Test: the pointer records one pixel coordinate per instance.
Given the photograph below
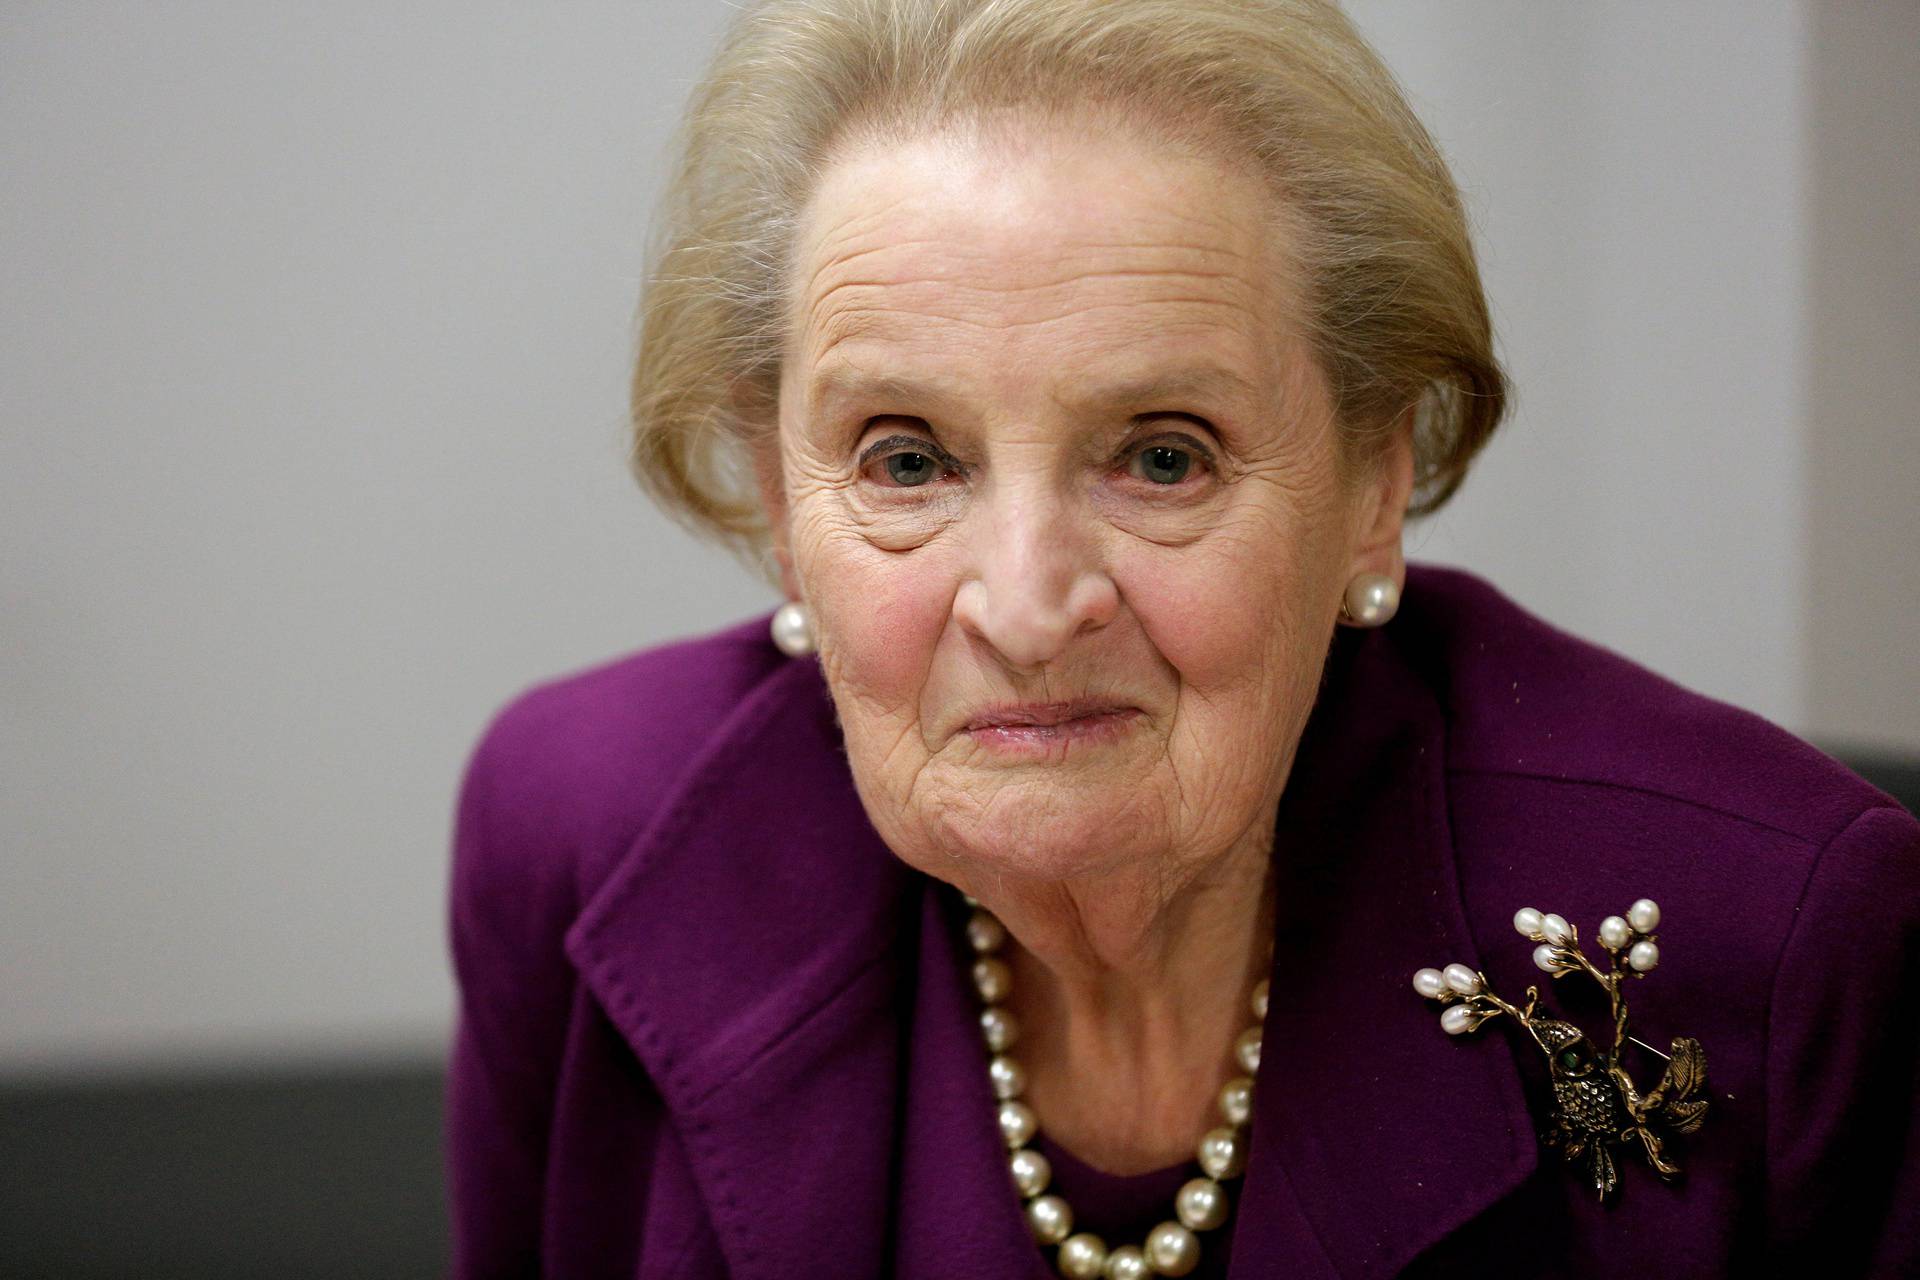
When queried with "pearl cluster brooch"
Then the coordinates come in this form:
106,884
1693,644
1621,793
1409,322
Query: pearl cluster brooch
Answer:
1596,1104
1172,1248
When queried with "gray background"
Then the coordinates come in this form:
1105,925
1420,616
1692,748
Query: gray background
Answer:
312,366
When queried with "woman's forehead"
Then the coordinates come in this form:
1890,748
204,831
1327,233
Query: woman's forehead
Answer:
970,209
1072,246
1086,182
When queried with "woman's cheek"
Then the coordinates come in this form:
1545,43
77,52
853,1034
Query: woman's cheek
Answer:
1206,615
880,616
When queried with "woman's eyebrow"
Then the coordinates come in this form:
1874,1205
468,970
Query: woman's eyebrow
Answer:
1159,388
836,384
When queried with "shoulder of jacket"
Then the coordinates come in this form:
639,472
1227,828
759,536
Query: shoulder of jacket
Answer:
569,769
1842,1181
1525,699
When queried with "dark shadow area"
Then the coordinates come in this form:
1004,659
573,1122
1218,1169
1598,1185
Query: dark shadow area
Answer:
324,1173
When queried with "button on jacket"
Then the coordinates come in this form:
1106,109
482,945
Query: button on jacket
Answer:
710,1026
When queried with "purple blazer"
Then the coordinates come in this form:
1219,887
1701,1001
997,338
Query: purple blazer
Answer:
710,1026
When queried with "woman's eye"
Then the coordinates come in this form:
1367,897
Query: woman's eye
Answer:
1162,464
904,462
910,469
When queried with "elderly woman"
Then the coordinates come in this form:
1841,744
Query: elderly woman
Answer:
1042,889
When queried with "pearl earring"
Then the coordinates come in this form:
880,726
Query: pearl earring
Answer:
793,629
1371,599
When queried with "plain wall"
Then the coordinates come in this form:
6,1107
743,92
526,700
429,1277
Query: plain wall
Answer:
1861,419
1635,173
312,378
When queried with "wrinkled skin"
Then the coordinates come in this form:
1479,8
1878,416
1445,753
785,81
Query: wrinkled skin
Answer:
1054,527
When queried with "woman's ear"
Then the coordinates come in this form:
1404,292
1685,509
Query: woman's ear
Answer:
1382,515
771,482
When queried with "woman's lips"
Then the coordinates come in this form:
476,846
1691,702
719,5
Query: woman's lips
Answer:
1039,730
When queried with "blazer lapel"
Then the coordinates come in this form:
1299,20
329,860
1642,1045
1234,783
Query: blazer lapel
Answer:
741,948
1385,1133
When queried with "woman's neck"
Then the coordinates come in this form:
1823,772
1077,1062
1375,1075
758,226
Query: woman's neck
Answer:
1130,996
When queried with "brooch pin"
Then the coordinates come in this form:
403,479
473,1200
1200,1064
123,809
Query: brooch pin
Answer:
1596,1104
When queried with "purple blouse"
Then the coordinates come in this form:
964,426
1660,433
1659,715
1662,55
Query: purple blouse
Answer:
710,1026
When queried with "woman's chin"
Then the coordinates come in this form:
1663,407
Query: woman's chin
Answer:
1043,844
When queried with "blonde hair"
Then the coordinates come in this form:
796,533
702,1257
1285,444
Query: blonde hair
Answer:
1395,314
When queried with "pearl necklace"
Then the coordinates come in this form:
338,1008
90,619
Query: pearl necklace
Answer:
1172,1248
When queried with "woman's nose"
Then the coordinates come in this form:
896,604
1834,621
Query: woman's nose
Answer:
1037,581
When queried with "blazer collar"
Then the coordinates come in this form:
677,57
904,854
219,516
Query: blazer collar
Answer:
755,947
742,948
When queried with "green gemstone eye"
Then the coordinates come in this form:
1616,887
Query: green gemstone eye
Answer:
1569,1059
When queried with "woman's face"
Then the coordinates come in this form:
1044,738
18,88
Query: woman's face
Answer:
1057,479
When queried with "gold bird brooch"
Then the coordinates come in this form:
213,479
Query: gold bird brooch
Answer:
1596,1105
